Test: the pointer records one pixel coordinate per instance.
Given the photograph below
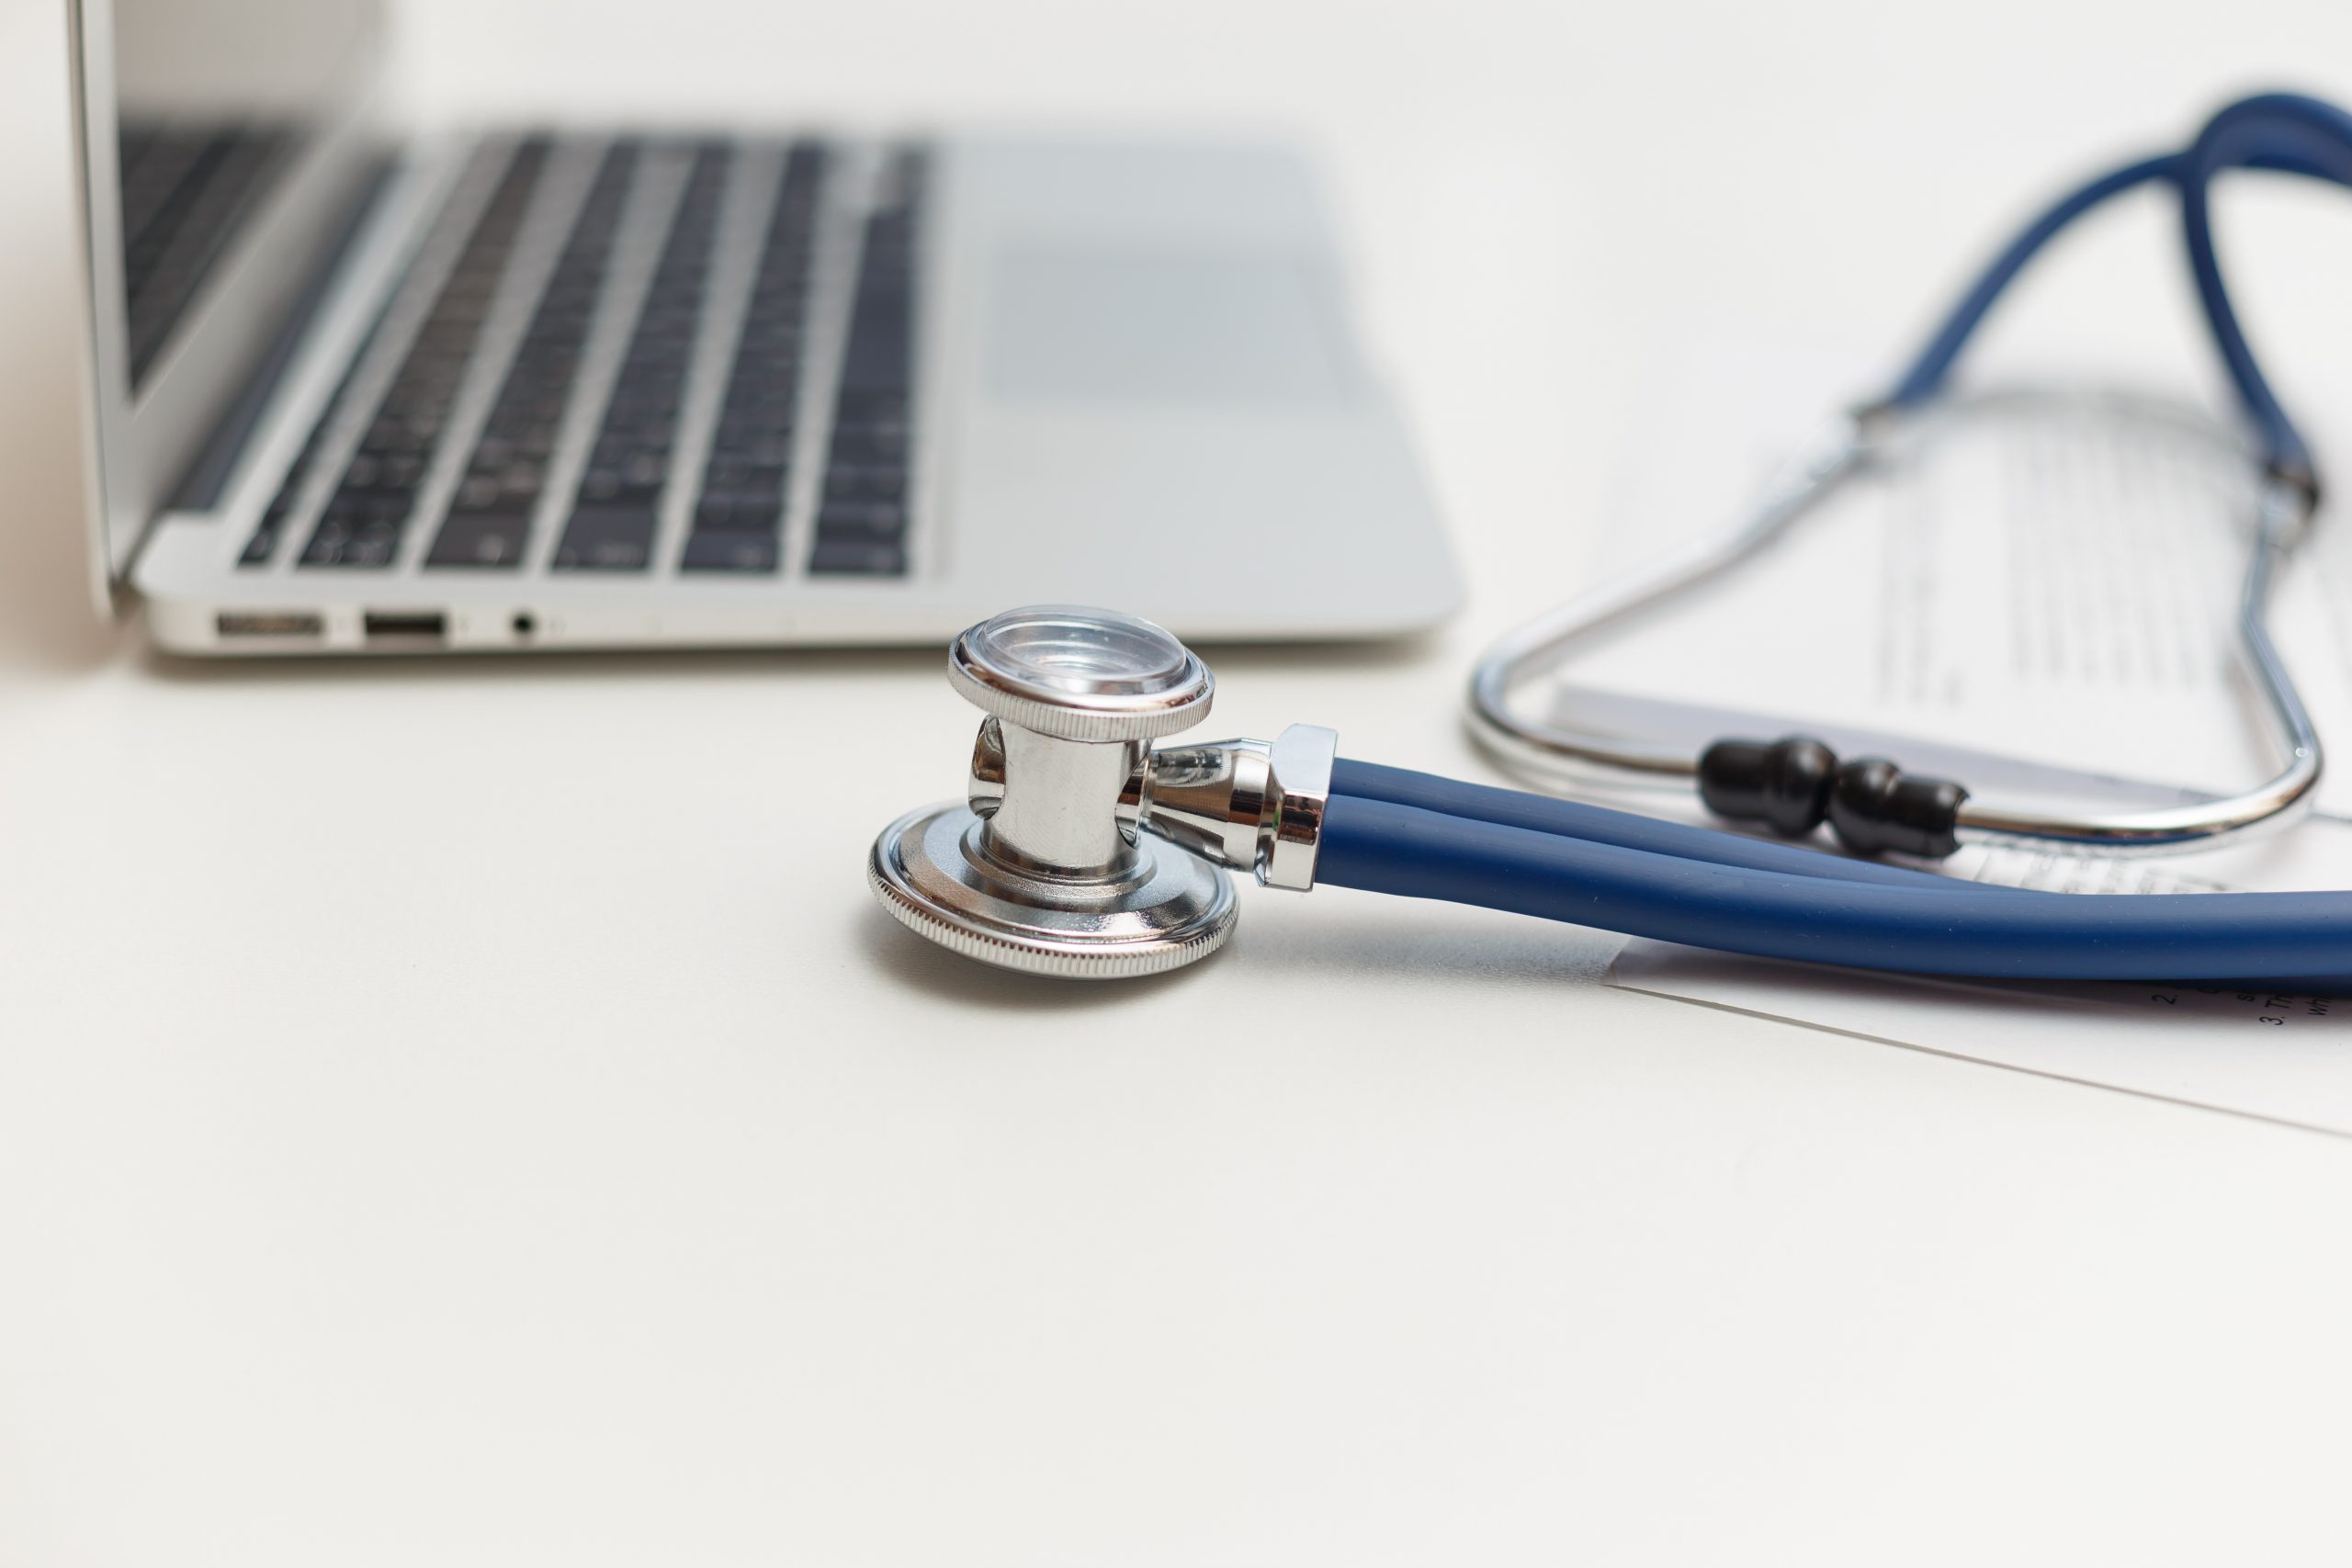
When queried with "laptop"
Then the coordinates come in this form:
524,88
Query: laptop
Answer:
359,387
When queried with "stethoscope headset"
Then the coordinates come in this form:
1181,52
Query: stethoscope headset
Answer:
1083,849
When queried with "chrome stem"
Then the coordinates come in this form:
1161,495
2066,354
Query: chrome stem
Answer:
1249,806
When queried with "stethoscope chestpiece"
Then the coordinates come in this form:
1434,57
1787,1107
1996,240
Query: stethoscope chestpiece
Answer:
1041,868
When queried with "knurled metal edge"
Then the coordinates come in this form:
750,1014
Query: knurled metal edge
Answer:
1083,723
1112,963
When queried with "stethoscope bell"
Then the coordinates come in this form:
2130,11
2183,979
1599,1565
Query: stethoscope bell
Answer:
1033,871
1079,851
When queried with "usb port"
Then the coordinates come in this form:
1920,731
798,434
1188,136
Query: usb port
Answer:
269,624
405,626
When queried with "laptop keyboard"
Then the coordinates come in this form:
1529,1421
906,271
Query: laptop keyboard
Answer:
648,377
489,516
365,516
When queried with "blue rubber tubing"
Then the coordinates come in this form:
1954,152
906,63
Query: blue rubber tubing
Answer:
1382,847
1598,824
2309,131
2277,132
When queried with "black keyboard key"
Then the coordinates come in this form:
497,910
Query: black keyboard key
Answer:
730,552
851,482
607,538
734,445
727,474
880,445
739,514
395,438
617,487
481,539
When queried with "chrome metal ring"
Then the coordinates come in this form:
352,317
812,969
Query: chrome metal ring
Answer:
1080,674
931,871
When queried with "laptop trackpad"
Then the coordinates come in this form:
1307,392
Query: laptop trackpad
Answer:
1161,326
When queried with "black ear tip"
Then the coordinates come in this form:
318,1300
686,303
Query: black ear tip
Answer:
1875,810
1796,782
1785,782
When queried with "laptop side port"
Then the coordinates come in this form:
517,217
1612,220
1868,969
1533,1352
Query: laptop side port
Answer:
405,626
237,624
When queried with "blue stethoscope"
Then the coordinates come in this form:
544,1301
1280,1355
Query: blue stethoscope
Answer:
1083,849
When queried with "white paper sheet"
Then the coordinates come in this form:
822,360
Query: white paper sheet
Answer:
2061,595
2284,1057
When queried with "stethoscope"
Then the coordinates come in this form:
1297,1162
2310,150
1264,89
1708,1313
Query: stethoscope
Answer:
1083,849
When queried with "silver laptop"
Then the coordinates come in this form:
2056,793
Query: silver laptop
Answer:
361,389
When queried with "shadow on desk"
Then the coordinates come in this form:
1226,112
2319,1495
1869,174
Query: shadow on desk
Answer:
901,958
1348,943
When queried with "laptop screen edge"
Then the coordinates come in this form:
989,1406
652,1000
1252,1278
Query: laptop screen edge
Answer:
140,439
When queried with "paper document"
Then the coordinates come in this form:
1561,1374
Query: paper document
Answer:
2036,594
2285,1057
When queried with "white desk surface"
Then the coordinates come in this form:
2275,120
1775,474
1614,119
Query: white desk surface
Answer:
473,1113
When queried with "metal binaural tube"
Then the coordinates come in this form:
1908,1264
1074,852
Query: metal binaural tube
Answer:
1563,756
